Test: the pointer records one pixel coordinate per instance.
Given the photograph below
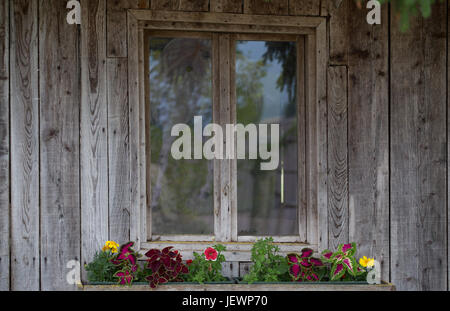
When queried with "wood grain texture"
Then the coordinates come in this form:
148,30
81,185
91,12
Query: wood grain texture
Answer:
4,146
419,153
59,140
116,22
369,137
119,174
180,5
226,6
304,7
94,136
25,146
340,35
273,7
322,142
134,129
302,195
224,230
337,157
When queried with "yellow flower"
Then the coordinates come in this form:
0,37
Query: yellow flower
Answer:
367,262
111,245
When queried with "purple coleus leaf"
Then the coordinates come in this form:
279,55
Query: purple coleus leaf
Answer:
184,270
316,262
126,253
350,265
153,252
166,250
130,257
306,253
337,271
348,249
125,277
292,258
294,270
327,255
337,257
305,263
166,265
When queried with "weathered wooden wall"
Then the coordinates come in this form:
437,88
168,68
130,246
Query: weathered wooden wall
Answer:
65,141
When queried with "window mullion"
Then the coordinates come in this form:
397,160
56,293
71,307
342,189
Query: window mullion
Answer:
223,188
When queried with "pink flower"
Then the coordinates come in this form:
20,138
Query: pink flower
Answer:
211,254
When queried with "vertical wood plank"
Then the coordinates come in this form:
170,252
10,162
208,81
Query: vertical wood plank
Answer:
302,196
304,7
4,146
226,6
180,5
24,146
419,153
324,7
339,30
337,157
119,174
312,155
448,144
117,24
133,129
273,7
216,120
369,137
226,187
143,42
59,141
321,135
94,136
233,163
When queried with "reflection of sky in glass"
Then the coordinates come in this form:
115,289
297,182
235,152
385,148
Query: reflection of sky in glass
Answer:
275,100
267,200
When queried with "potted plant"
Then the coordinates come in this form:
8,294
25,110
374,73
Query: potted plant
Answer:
268,266
206,268
165,270
116,265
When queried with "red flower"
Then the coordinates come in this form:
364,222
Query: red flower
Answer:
211,254
189,262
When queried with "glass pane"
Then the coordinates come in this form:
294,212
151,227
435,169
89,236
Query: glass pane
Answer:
266,94
180,89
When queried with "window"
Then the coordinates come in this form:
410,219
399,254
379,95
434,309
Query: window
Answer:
226,72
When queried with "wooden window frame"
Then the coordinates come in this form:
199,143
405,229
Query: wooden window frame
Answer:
313,109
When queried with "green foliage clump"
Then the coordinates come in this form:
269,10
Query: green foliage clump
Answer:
267,265
101,269
407,8
202,270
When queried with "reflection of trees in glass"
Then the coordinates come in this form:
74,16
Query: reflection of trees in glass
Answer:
284,53
259,192
180,88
